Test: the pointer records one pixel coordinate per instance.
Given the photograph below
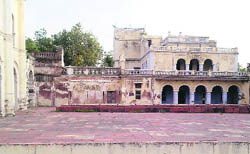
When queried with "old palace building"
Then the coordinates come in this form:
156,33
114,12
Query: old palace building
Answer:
148,70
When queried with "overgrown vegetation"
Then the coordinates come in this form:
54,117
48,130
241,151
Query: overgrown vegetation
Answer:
80,48
241,68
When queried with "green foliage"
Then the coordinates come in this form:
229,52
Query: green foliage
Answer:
241,68
108,60
80,48
79,110
31,45
44,43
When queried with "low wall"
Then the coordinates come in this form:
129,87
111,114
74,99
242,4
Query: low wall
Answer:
157,108
129,148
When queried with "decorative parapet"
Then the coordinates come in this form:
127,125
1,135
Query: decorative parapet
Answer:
202,49
109,71
137,72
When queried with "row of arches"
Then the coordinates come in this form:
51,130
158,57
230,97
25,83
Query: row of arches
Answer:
195,65
201,96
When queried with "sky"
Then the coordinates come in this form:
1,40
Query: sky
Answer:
227,21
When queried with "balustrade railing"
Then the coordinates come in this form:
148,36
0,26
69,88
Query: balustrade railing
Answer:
233,74
201,49
137,72
165,73
92,71
102,71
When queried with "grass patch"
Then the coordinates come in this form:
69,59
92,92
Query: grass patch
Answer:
137,111
79,110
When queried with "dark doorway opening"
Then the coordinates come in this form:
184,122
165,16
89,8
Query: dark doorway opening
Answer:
216,97
167,95
183,95
111,97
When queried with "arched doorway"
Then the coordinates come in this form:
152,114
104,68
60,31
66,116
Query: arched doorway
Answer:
216,97
184,95
233,95
194,65
167,95
200,95
208,65
15,90
181,64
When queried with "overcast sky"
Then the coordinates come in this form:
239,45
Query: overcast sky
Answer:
226,21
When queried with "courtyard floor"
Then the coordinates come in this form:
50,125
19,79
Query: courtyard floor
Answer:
44,125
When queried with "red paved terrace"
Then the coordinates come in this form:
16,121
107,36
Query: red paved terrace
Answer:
45,126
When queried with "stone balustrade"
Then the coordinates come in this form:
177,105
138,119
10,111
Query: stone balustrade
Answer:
71,70
214,74
202,49
109,71
233,50
137,72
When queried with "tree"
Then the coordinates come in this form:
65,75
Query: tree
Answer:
80,48
31,45
241,68
44,43
107,60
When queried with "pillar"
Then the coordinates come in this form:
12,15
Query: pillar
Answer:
224,97
214,67
174,67
208,98
200,67
240,100
176,97
9,99
187,67
191,98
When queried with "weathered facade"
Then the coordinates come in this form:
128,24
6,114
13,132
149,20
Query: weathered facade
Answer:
148,70
13,76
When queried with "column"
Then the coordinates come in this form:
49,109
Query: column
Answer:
208,98
174,67
224,97
191,98
240,100
214,67
176,97
8,64
201,67
187,67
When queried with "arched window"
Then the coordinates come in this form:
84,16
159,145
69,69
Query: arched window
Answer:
194,65
181,64
208,65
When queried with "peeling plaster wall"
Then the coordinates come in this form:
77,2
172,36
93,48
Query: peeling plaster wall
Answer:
78,90
45,93
129,91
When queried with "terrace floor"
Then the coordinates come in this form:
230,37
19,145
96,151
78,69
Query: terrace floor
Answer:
45,126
